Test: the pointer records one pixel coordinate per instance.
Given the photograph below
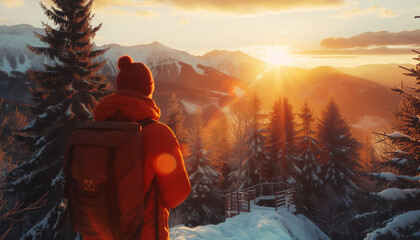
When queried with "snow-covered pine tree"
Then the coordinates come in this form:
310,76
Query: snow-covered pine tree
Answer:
204,205
309,151
175,119
65,95
340,160
339,152
397,208
256,142
274,129
281,143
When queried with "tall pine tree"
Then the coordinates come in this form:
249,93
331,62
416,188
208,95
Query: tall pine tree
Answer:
397,208
175,119
339,161
340,152
65,95
256,142
204,205
281,143
309,152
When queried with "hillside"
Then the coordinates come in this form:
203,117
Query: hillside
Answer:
386,74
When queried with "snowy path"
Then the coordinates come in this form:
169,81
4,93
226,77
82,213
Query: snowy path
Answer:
259,224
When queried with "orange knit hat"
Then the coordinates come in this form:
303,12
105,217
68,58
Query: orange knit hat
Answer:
134,75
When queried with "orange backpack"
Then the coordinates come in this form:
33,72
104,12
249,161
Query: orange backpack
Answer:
104,179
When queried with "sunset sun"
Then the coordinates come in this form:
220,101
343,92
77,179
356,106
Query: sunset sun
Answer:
277,55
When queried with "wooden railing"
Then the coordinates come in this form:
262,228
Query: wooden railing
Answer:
231,203
283,194
284,198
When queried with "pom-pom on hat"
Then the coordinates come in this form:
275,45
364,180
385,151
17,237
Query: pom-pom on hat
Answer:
134,75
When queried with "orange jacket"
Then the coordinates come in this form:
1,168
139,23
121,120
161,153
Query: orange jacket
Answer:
161,154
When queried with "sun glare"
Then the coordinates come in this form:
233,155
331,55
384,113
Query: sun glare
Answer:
277,55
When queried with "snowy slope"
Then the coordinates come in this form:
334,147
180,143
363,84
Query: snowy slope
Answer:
261,224
14,55
156,56
235,63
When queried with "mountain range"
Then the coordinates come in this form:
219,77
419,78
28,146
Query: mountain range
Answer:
219,78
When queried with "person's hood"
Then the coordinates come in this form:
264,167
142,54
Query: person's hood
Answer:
126,105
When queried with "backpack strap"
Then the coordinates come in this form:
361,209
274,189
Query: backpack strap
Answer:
112,193
156,209
146,121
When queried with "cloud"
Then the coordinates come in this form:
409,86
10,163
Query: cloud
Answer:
146,14
118,7
184,21
248,6
369,39
373,10
362,51
139,13
12,3
100,4
118,12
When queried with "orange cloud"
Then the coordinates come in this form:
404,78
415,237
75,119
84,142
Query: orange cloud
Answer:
102,4
351,52
373,10
248,6
12,3
146,14
139,13
369,39
99,4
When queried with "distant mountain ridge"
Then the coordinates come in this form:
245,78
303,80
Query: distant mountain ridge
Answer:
214,80
387,74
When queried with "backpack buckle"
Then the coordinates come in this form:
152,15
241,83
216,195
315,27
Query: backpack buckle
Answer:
87,185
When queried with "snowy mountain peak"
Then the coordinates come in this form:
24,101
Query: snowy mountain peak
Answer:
156,56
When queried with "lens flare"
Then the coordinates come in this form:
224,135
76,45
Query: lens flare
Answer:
165,164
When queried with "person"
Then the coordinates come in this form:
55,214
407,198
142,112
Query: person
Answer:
160,149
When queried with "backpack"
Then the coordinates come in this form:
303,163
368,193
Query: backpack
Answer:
103,173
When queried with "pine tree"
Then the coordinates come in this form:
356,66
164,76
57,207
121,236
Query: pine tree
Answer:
175,119
281,143
256,142
397,208
340,160
204,204
309,152
65,95
274,129
340,152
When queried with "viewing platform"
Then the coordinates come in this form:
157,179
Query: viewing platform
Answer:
274,195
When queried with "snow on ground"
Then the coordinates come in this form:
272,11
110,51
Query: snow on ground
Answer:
260,224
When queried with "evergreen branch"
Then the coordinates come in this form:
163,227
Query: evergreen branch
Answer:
51,15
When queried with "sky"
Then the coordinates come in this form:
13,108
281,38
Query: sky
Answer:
303,33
